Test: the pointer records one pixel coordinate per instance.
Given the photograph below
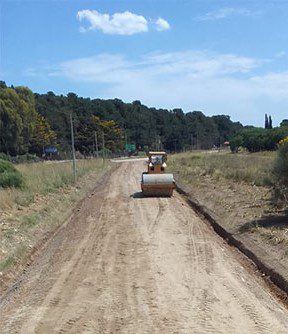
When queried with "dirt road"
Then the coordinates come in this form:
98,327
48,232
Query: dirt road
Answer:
139,265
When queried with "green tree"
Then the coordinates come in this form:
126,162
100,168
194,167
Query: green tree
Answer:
270,125
236,142
258,139
11,124
17,119
113,134
42,135
28,115
284,123
266,122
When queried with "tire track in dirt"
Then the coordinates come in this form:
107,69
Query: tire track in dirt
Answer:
127,264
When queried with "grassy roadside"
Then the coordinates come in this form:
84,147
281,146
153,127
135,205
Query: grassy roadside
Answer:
43,178
254,169
49,195
237,187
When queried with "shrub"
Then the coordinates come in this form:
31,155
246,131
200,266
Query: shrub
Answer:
9,176
281,169
258,139
281,164
236,142
19,159
4,156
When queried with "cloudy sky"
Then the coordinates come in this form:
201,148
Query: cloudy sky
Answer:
220,57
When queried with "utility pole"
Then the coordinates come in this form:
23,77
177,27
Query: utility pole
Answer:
73,148
96,144
175,145
126,146
103,144
158,143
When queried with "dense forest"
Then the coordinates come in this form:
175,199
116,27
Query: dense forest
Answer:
146,127
30,122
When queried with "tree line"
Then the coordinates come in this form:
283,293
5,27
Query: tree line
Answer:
147,128
22,129
259,139
30,122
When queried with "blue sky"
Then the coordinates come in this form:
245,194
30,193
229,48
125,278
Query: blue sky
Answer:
220,57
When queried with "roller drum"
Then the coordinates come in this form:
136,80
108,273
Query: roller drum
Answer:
157,179
157,184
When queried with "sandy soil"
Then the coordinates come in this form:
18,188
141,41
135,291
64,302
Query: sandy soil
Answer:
129,264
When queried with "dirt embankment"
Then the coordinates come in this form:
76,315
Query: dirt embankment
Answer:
129,264
25,230
245,212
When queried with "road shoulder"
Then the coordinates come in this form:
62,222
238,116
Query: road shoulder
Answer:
55,211
251,245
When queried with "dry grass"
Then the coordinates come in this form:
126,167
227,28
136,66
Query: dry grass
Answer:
237,187
43,178
253,169
47,200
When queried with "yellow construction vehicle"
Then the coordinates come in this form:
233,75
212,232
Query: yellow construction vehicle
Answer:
155,182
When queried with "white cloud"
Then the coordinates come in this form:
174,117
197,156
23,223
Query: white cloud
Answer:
125,23
225,12
162,24
280,54
272,84
102,68
215,83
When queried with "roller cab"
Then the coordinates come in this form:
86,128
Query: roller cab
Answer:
156,182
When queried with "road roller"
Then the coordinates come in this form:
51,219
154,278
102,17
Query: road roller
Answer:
155,182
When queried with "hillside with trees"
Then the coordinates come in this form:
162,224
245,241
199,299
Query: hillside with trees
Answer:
172,130
31,122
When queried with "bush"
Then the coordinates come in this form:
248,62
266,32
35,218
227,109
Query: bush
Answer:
281,169
20,159
281,164
236,142
9,175
258,139
4,156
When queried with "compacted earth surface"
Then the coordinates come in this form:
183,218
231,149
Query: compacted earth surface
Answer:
129,264
244,209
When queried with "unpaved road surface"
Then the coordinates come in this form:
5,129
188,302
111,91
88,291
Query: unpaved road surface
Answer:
139,265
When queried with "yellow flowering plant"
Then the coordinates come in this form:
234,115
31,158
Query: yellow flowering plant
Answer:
284,141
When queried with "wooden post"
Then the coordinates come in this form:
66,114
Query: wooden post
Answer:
96,144
103,144
73,148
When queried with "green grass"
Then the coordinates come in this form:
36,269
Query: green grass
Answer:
255,169
9,175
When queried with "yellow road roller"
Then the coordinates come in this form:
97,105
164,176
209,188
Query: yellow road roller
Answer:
155,182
